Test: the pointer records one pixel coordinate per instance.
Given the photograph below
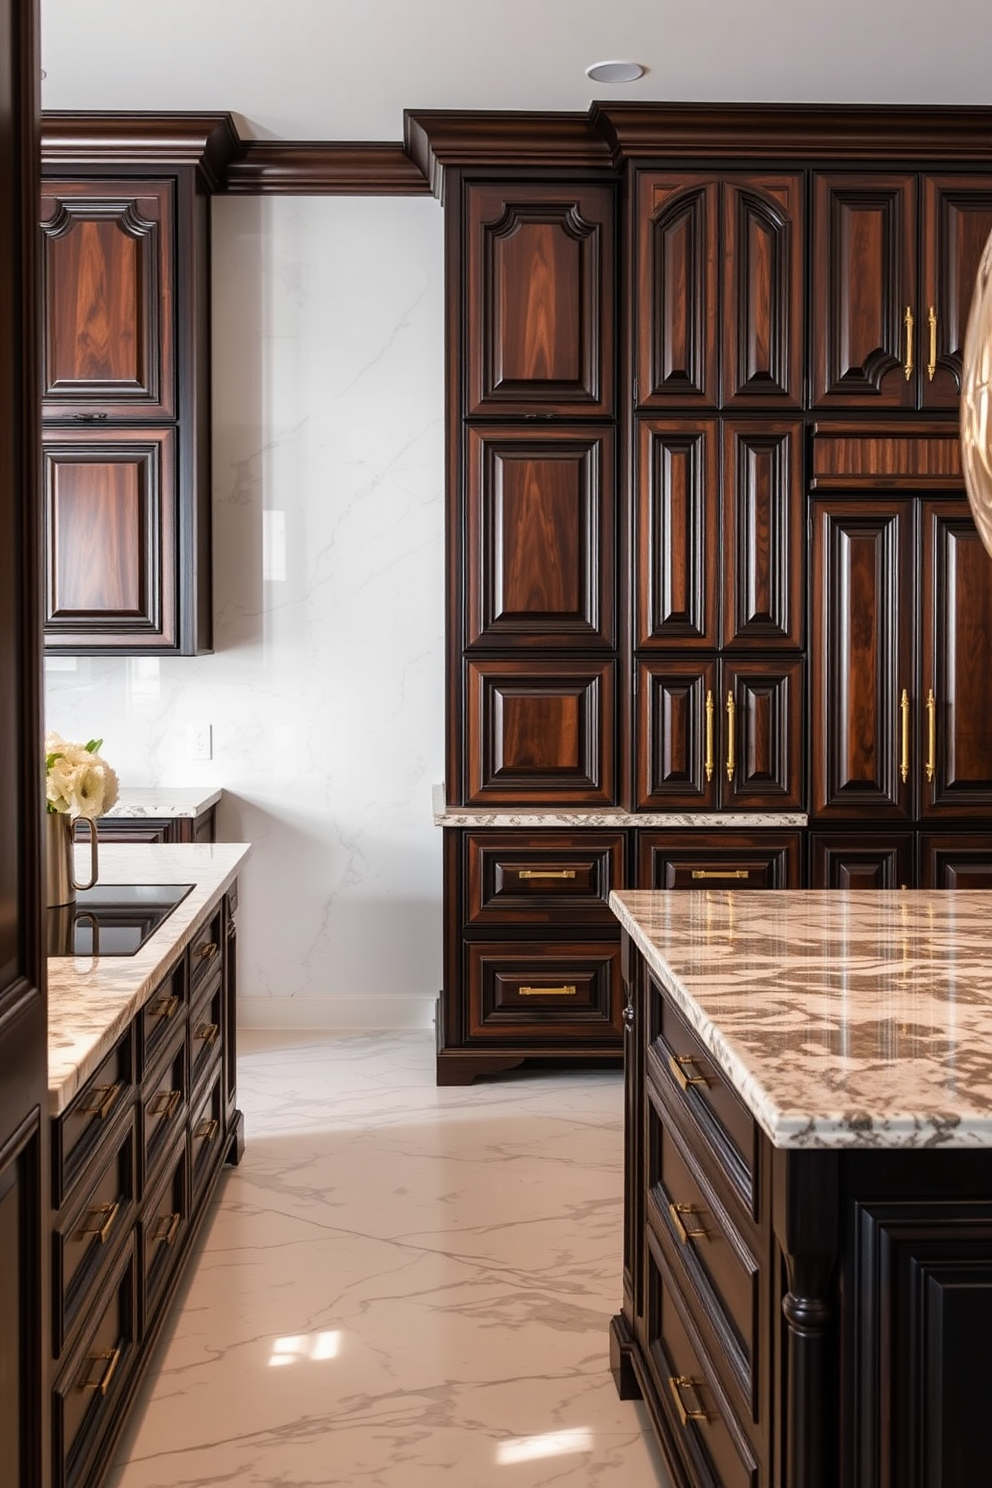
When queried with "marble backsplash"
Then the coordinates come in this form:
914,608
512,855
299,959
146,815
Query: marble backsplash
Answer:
325,690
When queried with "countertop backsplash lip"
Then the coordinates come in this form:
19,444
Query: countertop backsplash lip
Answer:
92,1000
802,1035
137,801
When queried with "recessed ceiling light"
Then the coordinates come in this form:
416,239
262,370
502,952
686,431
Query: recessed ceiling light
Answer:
615,72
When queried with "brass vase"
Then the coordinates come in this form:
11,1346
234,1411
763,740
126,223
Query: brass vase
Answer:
60,881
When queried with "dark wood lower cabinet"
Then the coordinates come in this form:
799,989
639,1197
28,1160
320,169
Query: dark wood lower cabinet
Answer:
870,860
704,859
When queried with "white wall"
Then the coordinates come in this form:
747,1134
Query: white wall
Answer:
325,690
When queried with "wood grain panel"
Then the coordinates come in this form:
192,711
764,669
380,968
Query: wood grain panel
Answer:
872,861
861,656
763,536
542,878
677,534
956,860
540,538
762,316
544,990
676,307
763,768
675,768
848,458
540,731
957,220
864,277
539,298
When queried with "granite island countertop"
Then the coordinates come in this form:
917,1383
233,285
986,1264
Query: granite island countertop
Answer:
841,1018
92,999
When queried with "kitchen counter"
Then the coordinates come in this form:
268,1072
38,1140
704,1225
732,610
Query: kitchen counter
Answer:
158,801
610,816
841,1019
92,999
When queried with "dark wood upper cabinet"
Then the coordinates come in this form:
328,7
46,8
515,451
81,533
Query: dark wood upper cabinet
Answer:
539,535
763,247
677,533
540,296
676,314
763,534
108,252
957,219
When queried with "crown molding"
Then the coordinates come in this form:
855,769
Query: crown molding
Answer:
316,168
141,141
436,139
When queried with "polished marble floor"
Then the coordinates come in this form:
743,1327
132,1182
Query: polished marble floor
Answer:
400,1286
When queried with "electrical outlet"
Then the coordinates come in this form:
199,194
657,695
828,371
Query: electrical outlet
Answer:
201,741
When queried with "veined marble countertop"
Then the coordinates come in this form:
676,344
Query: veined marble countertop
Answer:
841,1018
92,999
164,800
603,816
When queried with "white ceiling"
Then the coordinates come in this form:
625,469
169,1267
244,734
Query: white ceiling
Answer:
329,69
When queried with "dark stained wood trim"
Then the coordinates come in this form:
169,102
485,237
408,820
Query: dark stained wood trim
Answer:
144,141
316,168
925,134
436,138
847,456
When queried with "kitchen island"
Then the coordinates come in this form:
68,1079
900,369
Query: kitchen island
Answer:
808,1190
143,1115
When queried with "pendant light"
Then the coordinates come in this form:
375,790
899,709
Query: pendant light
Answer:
976,401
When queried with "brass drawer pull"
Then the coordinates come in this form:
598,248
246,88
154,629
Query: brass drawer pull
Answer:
679,1382
721,873
677,1064
207,1130
99,1222
104,1103
932,363
904,713
208,951
907,321
568,990
208,1032
731,740
685,1234
165,1103
109,1360
708,764
930,768
546,873
165,1231
165,1007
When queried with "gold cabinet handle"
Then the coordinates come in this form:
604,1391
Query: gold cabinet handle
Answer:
931,764
679,1382
99,1222
546,873
568,990
208,951
208,1032
677,1064
709,735
904,711
109,1361
206,1131
932,363
105,1097
731,745
908,323
165,1103
165,1007
721,873
165,1230
685,1234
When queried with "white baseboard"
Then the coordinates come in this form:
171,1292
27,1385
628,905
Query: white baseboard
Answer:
366,1013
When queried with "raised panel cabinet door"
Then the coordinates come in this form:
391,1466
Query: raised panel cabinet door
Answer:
871,860
540,732
539,535
763,267
677,735
955,766
110,539
761,759
677,534
763,535
865,318
676,312
956,860
539,298
957,220
108,342
862,736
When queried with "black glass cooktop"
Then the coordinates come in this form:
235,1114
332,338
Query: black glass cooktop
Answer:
111,919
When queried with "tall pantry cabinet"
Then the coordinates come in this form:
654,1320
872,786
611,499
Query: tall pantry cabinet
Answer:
718,615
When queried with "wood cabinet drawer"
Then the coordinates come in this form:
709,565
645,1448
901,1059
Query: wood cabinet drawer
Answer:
205,1025
76,1133
542,877
681,1065
164,1104
718,860
720,1271
87,1233
544,989
86,1393
164,1224
206,1131
714,1446
205,950
164,1010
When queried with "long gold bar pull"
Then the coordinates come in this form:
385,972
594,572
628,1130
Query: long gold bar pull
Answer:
904,761
932,363
546,873
709,735
566,991
731,744
721,873
907,321
931,764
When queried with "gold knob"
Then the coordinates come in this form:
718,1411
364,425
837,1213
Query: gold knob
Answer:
685,1234
908,323
709,735
932,363
904,711
677,1064
931,764
731,746
566,991
679,1382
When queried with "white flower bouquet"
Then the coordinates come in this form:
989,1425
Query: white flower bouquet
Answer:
78,782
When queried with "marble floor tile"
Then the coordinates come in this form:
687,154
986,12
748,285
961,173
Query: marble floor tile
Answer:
401,1286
